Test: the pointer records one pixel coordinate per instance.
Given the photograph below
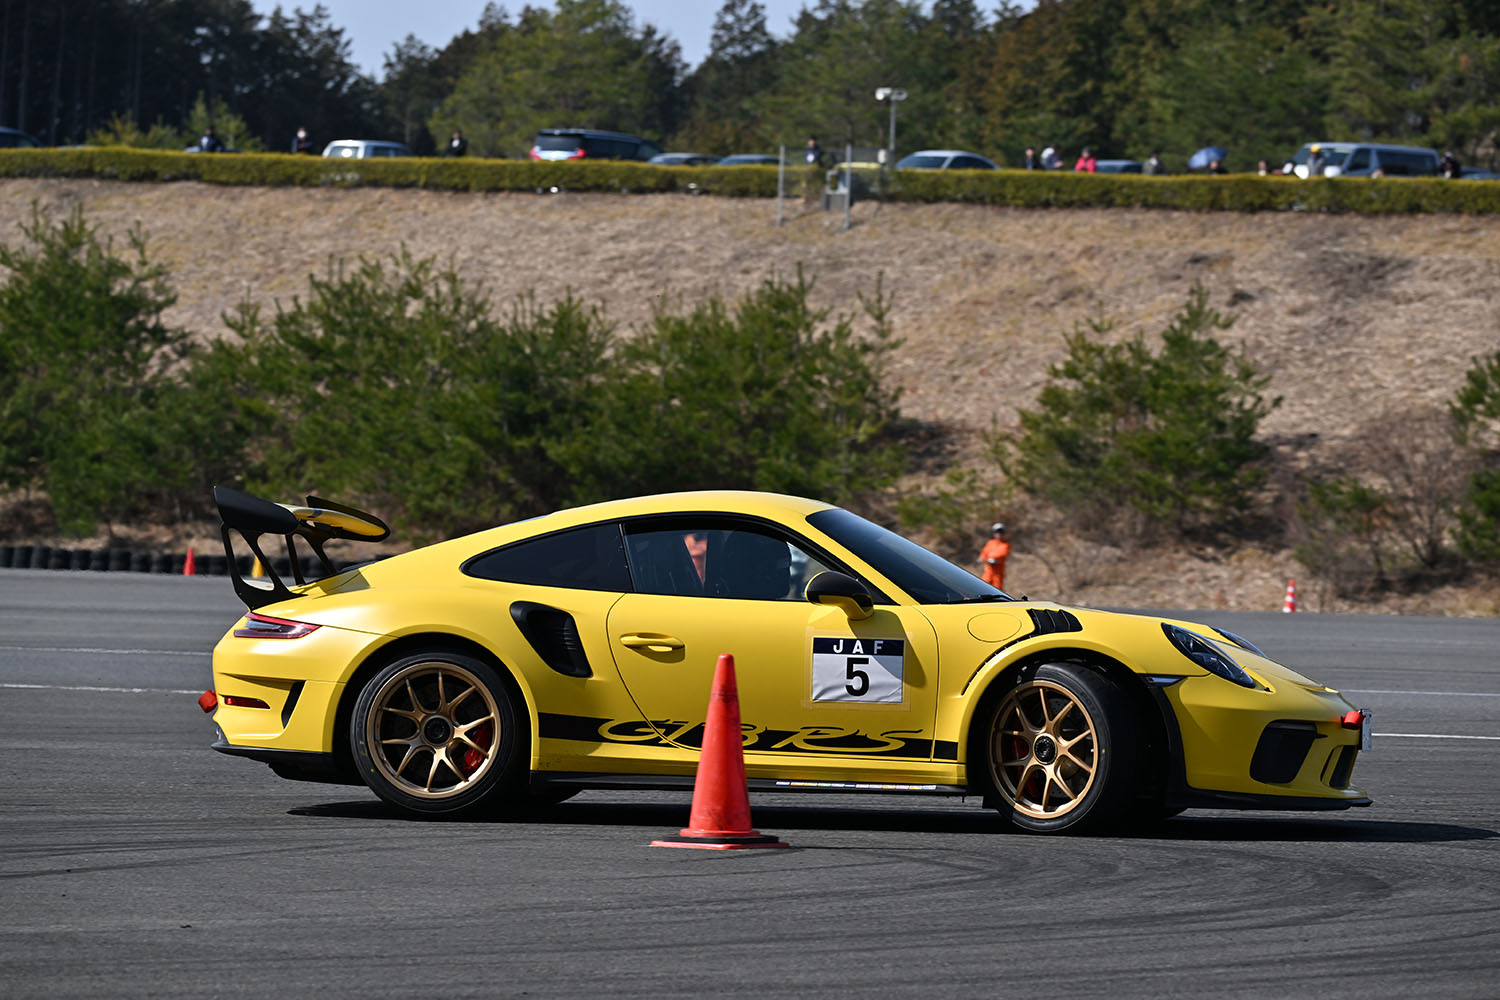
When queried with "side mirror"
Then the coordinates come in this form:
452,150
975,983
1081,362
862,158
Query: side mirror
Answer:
843,591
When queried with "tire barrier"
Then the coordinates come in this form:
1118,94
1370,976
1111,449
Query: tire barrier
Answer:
118,560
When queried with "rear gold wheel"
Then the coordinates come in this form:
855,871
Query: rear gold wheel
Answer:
435,733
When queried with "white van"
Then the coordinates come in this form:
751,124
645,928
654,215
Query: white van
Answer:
363,149
1362,159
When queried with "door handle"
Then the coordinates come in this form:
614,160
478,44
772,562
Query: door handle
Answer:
653,641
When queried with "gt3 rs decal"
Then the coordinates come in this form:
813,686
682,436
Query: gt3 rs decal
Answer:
849,668
808,739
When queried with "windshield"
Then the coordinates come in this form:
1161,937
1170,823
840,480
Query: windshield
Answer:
926,576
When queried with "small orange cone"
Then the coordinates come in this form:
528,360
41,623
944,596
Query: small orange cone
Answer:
190,565
1290,604
720,820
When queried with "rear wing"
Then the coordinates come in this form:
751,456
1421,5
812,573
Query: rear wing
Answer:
316,523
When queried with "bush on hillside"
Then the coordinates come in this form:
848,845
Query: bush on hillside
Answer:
768,394
1476,415
392,381
87,401
1165,435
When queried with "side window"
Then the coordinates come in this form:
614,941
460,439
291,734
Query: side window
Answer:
1358,160
966,163
709,557
590,558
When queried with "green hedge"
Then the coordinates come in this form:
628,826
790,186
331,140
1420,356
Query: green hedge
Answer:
1025,189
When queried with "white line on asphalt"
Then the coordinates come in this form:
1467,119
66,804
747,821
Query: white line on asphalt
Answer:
1430,736
1435,694
91,649
111,690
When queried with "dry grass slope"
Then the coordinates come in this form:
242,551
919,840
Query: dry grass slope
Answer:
1353,318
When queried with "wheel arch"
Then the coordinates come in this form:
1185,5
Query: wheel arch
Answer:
378,658
1156,757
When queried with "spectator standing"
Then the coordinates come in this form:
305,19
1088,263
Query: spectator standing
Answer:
1028,159
1153,165
1262,168
1449,167
813,155
302,142
1314,162
992,557
1050,159
457,145
209,142
1215,167
1086,163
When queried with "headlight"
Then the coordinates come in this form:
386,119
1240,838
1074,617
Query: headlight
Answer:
1240,641
1207,654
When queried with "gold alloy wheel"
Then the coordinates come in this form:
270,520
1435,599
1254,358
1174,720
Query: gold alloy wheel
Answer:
1043,749
433,730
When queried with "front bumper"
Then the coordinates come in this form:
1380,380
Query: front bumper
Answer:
1275,748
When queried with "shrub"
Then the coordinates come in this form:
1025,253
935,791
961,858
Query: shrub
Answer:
1168,435
1015,188
392,381
1476,415
86,403
768,396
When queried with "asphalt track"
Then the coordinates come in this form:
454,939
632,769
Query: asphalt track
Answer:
136,862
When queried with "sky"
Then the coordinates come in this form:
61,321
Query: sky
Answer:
374,26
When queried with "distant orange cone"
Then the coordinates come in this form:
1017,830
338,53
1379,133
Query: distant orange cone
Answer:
190,565
720,820
257,570
1290,604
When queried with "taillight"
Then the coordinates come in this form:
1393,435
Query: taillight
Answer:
265,627
579,155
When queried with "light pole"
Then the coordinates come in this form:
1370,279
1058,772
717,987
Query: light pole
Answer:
893,96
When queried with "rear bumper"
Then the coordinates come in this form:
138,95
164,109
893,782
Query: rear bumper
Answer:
297,765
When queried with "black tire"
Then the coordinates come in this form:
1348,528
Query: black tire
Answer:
419,739
1059,750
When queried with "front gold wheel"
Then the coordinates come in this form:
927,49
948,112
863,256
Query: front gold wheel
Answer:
1058,748
1043,750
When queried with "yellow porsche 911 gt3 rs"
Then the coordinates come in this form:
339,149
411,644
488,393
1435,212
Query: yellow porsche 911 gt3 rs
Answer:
576,650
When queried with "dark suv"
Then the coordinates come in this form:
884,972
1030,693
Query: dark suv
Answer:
14,138
578,143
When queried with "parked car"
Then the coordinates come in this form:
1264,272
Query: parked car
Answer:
1391,161
1118,166
945,159
365,149
683,159
595,144
1477,174
14,138
748,159
574,650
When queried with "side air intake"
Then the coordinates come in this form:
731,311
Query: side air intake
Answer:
1048,620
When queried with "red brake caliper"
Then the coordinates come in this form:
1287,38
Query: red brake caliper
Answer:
473,758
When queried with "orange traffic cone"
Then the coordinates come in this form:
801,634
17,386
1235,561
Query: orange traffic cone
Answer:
720,820
190,565
1290,604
